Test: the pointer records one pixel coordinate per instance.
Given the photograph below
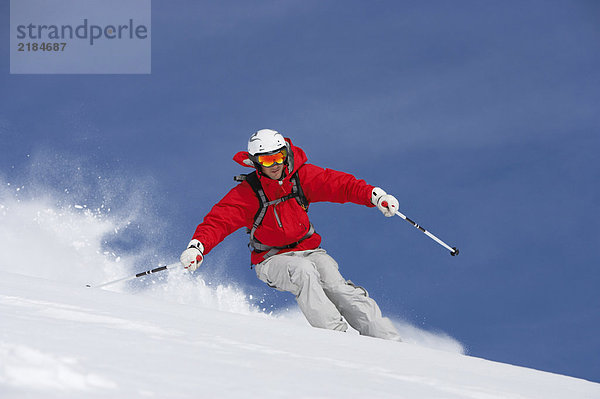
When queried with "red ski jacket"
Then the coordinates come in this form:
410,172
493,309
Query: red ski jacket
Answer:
238,208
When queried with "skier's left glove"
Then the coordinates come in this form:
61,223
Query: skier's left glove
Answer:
192,257
386,203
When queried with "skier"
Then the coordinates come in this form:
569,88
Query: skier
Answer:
272,204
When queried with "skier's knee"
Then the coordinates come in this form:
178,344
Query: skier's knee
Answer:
362,290
302,270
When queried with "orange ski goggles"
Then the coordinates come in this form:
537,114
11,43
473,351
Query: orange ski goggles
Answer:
272,159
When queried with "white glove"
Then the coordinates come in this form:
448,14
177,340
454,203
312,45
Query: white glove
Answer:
386,203
192,257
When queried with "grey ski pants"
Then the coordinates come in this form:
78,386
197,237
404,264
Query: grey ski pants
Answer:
323,295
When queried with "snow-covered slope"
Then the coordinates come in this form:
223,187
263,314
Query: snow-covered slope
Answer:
181,338
62,340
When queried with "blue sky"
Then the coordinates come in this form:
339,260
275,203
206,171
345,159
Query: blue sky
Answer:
481,117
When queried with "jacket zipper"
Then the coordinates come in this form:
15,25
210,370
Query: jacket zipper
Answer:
275,206
277,216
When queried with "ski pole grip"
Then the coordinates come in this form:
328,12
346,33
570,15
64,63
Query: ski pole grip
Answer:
384,204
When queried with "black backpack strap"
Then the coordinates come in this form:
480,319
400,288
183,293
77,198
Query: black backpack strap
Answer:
260,247
299,193
264,203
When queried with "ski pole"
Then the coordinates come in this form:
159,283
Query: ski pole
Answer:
453,250
158,269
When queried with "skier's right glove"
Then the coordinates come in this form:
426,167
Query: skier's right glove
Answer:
192,257
386,203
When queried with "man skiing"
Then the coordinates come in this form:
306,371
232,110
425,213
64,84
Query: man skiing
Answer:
272,204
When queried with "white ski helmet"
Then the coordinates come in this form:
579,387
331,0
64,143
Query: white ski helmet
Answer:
265,141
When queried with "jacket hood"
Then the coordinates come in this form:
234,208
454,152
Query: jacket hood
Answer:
296,158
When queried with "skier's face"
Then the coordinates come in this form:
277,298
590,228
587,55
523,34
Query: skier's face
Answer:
273,172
